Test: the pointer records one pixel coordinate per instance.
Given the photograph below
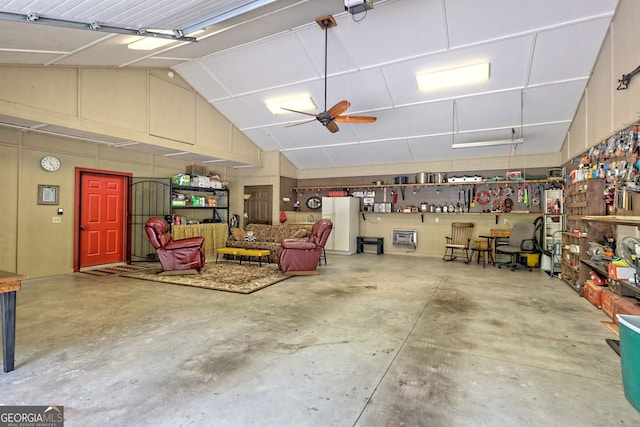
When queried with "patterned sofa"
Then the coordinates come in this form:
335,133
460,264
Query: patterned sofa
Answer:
266,236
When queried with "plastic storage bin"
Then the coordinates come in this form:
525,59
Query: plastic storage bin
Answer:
630,357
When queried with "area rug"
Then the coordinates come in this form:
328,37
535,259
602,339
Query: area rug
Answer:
116,269
226,276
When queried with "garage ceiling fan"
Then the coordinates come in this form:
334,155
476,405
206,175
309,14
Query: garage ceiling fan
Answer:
329,117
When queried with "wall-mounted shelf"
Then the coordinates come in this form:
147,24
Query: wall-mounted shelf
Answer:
374,186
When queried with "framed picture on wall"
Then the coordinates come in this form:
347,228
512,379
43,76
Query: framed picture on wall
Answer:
48,194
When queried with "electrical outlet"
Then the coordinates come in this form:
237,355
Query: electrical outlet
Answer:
56,219
437,219
505,220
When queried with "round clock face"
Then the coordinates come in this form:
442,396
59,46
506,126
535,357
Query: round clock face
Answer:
50,163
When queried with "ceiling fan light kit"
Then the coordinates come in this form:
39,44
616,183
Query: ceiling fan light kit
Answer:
453,77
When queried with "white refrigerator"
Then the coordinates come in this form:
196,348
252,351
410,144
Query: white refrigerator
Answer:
344,213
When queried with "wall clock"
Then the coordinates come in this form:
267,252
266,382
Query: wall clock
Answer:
50,163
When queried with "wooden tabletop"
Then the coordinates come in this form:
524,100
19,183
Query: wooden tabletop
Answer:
10,282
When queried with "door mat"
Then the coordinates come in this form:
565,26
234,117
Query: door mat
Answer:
117,269
220,276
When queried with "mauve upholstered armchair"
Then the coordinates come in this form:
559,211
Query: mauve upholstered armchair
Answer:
181,254
301,255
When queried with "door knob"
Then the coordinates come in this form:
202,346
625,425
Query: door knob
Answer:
82,227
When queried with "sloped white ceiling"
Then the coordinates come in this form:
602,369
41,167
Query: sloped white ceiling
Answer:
540,53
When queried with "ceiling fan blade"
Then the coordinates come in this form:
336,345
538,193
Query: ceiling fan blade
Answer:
299,112
332,126
356,119
301,123
338,109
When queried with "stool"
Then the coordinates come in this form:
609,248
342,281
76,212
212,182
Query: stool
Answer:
378,241
480,246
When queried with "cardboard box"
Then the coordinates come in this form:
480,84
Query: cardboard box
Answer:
616,272
593,293
625,305
607,298
201,181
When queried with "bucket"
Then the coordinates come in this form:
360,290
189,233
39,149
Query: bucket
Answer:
422,178
629,351
533,260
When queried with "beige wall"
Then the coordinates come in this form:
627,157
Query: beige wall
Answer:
30,243
431,231
604,110
141,105
519,162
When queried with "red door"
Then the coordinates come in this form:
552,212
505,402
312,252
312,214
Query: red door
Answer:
103,219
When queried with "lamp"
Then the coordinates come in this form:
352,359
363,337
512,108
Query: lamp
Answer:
453,77
487,143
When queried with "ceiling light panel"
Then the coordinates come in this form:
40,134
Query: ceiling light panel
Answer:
460,76
149,43
305,104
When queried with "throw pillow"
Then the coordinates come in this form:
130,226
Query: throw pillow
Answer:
300,233
238,234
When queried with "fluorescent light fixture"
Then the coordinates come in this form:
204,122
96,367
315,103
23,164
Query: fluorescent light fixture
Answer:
299,104
453,77
487,143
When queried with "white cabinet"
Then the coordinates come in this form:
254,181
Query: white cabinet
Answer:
344,213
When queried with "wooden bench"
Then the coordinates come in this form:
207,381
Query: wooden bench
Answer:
9,284
378,241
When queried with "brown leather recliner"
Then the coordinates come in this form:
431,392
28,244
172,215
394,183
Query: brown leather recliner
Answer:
303,254
181,254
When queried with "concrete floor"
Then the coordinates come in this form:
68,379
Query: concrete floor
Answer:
373,341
